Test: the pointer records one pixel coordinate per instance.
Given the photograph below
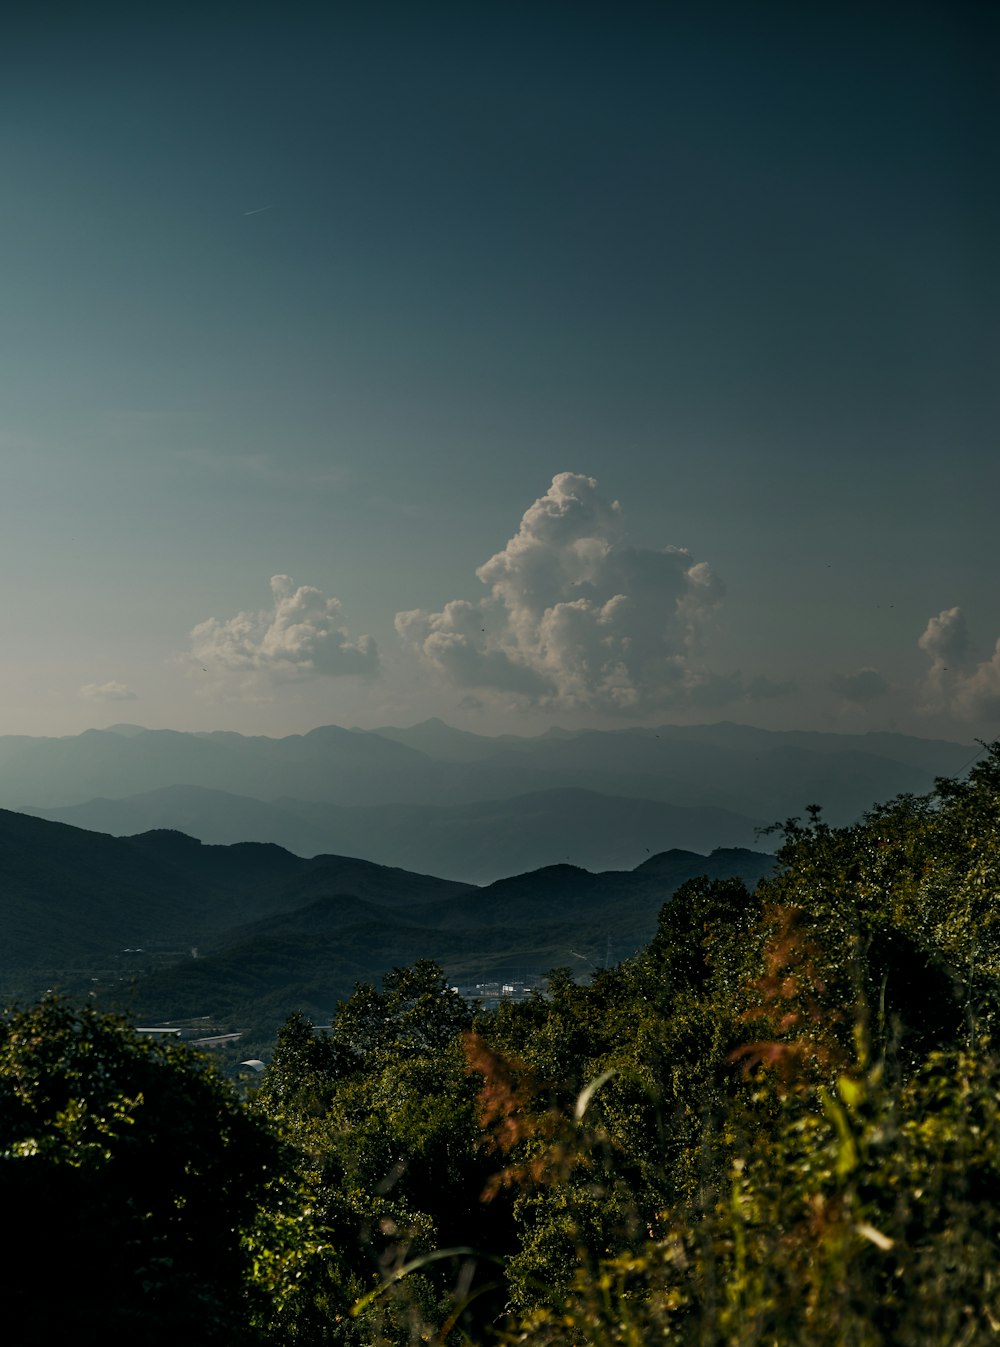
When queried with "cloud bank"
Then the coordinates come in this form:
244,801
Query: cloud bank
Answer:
111,691
957,682
299,637
575,617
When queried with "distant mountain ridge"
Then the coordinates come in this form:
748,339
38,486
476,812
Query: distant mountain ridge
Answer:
289,790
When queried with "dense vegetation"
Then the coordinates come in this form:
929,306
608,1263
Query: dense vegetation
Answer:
778,1123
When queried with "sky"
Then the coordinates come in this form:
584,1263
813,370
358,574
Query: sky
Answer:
516,364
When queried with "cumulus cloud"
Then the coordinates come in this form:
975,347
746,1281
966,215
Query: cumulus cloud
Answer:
957,681
979,692
864,686
576,617
111,691
300,636
946,640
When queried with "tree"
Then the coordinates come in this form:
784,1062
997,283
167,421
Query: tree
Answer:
128,1173
381,1115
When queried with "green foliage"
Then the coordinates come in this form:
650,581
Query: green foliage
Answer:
778,1123
850,1214
380,1115
127,1174
836,1092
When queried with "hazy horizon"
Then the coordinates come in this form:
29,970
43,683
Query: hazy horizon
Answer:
120,726
506,366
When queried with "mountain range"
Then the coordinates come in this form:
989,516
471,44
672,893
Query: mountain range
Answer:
242,877
466,806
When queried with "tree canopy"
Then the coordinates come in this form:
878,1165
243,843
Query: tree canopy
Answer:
128,1173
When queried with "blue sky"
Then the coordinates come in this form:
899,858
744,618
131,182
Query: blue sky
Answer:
334,293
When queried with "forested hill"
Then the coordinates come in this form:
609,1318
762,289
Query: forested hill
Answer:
67,894
311,957
84,910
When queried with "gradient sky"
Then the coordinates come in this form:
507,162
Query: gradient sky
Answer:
335,292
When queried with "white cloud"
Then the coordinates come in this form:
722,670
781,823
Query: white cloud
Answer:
111,691
300,636
957,681
864,686
946,640
575,617
978,695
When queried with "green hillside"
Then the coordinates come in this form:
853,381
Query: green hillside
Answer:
72,901
309,958
777,1122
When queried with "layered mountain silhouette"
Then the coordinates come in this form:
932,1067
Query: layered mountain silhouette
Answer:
468,806
475,842
251,876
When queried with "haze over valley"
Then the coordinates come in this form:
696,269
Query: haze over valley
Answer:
467,806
